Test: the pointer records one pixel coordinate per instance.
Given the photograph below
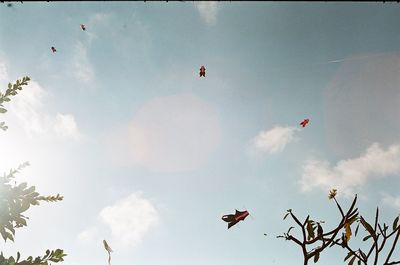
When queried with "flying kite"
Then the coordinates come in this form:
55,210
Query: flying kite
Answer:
202,71
109,250
304,122
83,27
53,49
233,219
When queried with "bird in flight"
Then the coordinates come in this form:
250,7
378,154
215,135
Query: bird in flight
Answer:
53,49
83,27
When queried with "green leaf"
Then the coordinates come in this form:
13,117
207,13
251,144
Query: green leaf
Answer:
310,229
316,257
22,186
367,237
367,226
25,206
395,223
286,215
2,110
355,233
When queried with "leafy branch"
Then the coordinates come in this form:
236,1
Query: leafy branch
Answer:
12,90
53,256
378,235
15,200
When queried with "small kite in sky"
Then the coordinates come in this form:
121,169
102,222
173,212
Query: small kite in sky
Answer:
109,250
83,27
53,49
304,122
202,71
233,219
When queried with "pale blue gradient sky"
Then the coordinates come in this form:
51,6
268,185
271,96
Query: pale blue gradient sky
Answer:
191,151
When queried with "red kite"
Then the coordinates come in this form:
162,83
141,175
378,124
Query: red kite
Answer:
83,27
233,219
304,122
53,49
202,71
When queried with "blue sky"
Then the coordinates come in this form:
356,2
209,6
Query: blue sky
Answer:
149,156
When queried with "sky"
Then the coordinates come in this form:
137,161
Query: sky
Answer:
149,155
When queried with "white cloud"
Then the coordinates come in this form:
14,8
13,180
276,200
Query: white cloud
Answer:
89,235
83,69
352,173
30,113
393,201
129,220
28,108
274,140
65,126
208,11
173,133
95,23
3,73
99,17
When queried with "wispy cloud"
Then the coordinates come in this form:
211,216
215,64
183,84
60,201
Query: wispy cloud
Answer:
173,133
91,234
129,220
208,11
274,140
352,173
3,72
392,201
65,126
82,66
31,114
95,23
99,17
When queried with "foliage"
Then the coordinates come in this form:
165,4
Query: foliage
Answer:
17,199
14,201
378,233
12,90
53,256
